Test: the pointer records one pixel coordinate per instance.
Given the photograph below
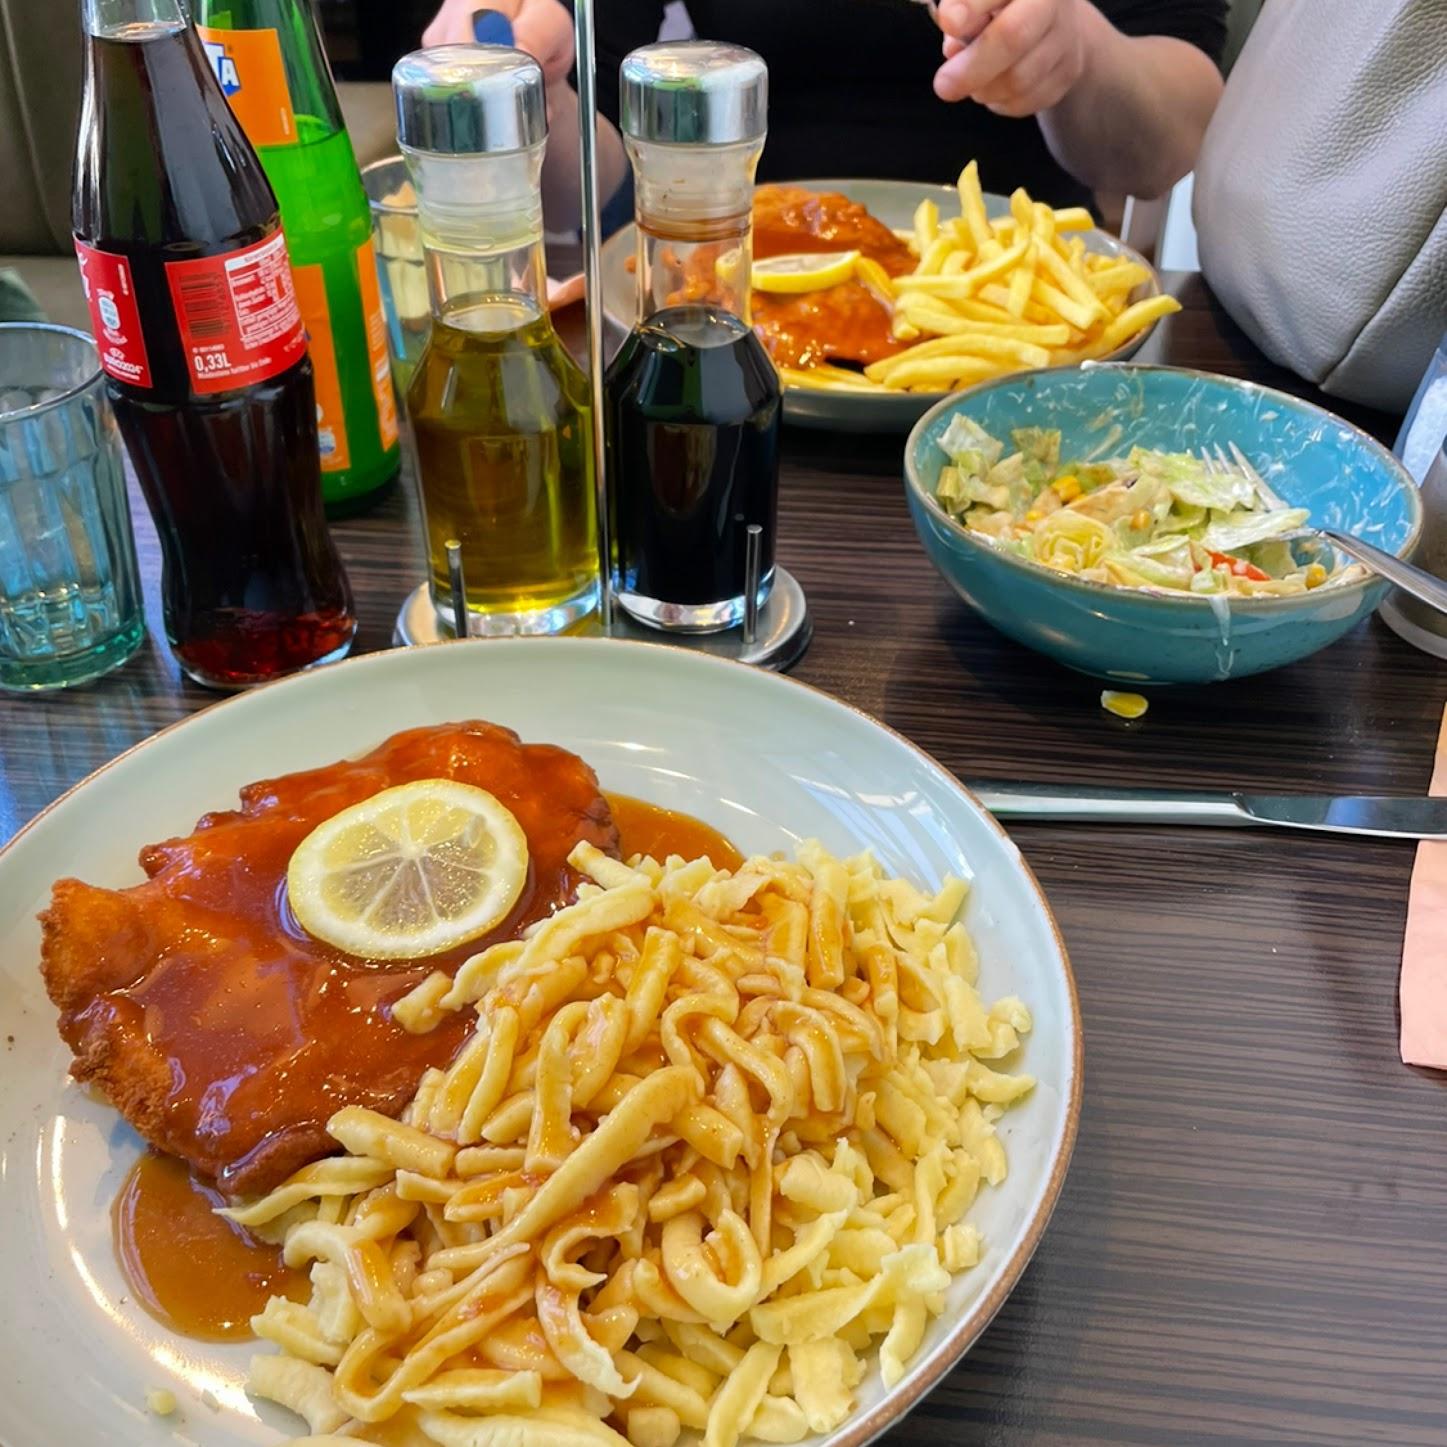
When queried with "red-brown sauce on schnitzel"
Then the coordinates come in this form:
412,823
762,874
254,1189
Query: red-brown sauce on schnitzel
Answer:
222,1031
844,323
647,829
194,1271
205,1277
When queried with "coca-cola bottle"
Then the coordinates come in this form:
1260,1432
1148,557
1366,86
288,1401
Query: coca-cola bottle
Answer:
185,270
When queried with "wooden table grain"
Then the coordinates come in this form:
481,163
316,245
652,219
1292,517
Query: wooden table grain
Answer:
1252,1242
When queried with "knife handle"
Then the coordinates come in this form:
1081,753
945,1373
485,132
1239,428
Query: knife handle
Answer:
1090,803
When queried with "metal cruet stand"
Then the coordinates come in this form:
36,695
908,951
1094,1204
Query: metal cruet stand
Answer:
774,636
587,62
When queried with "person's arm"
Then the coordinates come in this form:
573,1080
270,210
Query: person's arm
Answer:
544,28
562,190
1119,112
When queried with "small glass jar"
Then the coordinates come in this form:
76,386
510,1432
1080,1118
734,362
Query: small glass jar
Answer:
693,399
501,421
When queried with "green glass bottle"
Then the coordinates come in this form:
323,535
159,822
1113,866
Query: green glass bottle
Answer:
268,56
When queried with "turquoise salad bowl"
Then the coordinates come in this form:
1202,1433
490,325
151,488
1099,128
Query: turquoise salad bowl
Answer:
1129,636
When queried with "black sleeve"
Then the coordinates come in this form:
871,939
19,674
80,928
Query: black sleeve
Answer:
620,26
1201,23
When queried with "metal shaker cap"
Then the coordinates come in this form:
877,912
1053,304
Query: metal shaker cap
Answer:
694,92
469,100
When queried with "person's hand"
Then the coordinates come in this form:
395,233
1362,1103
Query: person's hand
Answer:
543,28
1015,57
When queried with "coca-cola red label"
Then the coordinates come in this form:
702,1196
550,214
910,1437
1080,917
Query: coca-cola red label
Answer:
114,316
237,315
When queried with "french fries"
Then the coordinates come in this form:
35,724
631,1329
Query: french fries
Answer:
990,296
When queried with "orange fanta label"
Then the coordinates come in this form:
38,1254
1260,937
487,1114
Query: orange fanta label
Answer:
249,67
311,297
381,366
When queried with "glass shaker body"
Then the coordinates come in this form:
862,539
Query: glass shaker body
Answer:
1409,618
500,412
693,399
1425,425
1422,448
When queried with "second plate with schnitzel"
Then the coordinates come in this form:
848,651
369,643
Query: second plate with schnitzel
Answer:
892,203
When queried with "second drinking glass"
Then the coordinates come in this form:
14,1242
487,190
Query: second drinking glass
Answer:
499,410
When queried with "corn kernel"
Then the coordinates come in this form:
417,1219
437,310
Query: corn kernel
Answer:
1140,520
1123,705
1034,515
1066,488
161,1402
1315,575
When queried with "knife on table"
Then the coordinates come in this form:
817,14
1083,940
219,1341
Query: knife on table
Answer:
1384,815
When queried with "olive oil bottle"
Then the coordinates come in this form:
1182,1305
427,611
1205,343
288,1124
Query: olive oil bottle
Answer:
500,416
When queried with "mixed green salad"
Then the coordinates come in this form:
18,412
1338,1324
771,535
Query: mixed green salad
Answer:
1148,519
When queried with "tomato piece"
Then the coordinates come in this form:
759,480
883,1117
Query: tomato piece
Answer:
1240,567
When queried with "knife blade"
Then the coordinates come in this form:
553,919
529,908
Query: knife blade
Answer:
1384,816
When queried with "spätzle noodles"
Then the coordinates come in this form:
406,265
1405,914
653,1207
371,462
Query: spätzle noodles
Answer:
712,1144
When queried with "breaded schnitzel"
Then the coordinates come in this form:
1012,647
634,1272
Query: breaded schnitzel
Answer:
843,323
223,1032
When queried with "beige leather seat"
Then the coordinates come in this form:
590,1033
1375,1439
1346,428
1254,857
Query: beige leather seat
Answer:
40,84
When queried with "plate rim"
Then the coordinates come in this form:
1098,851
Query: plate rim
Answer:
898,1402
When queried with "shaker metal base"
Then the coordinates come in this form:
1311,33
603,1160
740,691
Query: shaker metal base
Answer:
1410,631
784,628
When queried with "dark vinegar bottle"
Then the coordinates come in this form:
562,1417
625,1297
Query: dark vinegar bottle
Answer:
694,453
186,273
693,404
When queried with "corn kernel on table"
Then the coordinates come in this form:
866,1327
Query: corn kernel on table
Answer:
1252,1241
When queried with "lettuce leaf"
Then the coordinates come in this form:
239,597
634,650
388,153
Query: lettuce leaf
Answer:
1132,570
958,489
1275,558
965,436
1093,475
1240,529
1225,494
1072,542
1040,443
1165,543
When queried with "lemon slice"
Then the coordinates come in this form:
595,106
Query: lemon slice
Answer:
804,273
410,872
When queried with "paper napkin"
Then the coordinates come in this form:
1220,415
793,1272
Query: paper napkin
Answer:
1424,951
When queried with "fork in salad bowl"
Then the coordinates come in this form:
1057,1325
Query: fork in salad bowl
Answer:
1420,584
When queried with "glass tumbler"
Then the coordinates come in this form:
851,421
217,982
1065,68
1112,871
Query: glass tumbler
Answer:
401,265
70,594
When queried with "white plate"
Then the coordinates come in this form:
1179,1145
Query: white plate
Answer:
764,759
894,203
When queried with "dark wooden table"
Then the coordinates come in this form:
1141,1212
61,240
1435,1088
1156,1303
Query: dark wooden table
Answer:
1252,1242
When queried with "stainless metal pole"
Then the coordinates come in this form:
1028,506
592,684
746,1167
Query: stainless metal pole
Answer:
593,285
459,587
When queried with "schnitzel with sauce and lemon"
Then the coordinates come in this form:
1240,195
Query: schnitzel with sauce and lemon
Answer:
227,1033
844,321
